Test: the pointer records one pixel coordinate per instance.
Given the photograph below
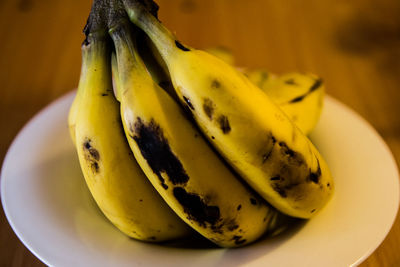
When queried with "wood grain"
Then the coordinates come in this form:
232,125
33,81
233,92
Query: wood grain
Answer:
353,45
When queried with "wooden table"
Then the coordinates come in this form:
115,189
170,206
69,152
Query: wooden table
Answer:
353,45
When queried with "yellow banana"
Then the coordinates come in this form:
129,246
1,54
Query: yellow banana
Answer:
246,127
299,95
186,172
114,178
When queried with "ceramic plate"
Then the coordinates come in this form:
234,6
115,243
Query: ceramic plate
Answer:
49,206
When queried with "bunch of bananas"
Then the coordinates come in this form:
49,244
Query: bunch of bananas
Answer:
171,139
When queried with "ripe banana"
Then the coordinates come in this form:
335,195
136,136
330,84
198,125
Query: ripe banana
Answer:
186,172
114,178
299,95
246,127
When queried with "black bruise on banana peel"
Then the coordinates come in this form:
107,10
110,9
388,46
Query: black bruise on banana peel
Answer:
208,108
253,201
215,84
282,189
188,102
313,87
238,239
229,224
316,85
291,82
157,152
233,227
293,157
205,215
92,155
275,178
181,46
271,143
289,172
196,208
315,176
224,124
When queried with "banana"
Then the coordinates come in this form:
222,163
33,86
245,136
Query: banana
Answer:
251,132
114,178
299,95
180,164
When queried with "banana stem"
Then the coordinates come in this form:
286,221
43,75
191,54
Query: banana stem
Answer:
127,58
95,48
124,36
96,65
164,40
95,27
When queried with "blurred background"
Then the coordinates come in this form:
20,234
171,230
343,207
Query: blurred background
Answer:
353,45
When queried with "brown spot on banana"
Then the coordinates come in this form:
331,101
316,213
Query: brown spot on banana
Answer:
224,124
233,227
283,188
290,171
238,240
268,147
215,84
293,157
208,108
228,225
290,82
92,155
315,176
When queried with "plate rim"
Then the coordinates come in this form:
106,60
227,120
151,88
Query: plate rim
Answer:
393,163
11,147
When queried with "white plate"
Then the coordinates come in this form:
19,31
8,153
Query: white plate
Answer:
49,207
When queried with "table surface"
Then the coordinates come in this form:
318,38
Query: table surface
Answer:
353,45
